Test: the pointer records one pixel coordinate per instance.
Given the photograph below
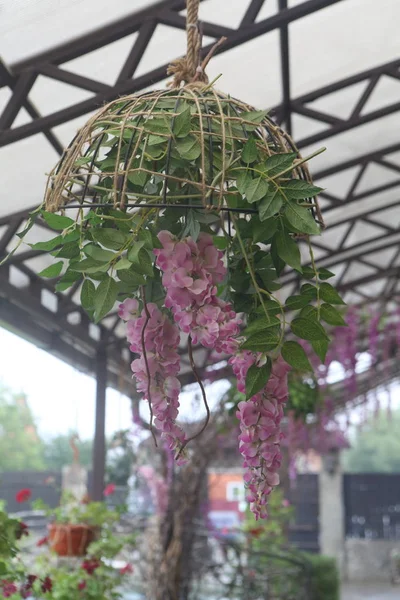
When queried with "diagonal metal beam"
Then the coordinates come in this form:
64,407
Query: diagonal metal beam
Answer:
138,49
237,38
252,12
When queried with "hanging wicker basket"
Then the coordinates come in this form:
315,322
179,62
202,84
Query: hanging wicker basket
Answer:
186,147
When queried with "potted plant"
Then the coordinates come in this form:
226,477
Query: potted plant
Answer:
75,525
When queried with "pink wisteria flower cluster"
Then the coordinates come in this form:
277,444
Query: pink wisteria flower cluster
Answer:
190,274
260,418
157,366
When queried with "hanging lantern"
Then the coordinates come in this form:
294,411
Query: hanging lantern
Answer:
188,206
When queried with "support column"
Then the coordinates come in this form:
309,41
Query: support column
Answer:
99,446
331,509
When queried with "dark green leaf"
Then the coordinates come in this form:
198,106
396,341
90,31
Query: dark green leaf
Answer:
287,250
89,265
331,315
146,237
263,341
271,306
131,277
257,378
309,312
88,291
70,250
329,294
138,178
68,279
182,126
295,356
97,253
320,348
256,189
308,273
110,238
189,147
57,222
249,152
49,245
53,270
308,290
307,329
279,162
279,264
270,204
296,189
140,259
261,324
301,218
105,297
325,274
264,232
296,302
243,180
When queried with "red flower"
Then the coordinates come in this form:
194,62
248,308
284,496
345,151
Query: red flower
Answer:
23,495
44,540
128,568
47,585
9,588
25,589
90,565
23,530
81,585
109,489
256,532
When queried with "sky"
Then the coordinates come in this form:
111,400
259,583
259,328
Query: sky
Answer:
62,398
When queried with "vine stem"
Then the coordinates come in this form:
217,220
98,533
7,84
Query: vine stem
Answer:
317,282
203,393
146,310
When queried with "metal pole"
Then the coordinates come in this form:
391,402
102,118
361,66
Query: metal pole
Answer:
99,446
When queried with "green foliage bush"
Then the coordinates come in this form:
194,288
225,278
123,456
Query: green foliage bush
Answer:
324,577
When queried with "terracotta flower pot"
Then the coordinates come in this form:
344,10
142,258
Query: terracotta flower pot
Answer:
70,540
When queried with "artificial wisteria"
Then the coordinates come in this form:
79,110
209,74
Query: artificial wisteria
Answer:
260,419
191,271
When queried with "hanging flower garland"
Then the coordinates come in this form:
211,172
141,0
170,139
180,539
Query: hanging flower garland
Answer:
186,206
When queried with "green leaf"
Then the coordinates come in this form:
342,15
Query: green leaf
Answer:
88,291
320,348
271,306
270,204
249,152
131,277
57,222
296,189
140,259
123,263
49,245
309,312
182,126
156,140
279,264
138,178
243,180
221,242
331,315
70,250
308,290
308,273
146,237
256,189
328,294
110,238
105,297
97,253
287,250
277,163
307,329
295,356
257,378
254,116
189,147
263,341
53,270
261,324
301,218
325,274
263,232
296,302
89,265
68,279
